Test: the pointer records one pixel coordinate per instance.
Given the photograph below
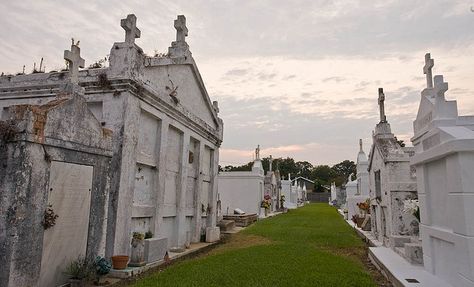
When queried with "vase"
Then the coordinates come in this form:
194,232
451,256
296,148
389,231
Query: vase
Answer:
137,257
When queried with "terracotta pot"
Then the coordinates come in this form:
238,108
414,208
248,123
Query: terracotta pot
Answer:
119,261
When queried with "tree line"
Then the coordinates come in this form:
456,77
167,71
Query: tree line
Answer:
322,175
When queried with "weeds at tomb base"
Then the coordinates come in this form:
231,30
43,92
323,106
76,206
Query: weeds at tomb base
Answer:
311,246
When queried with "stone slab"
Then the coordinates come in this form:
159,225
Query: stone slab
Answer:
398,270
213,234
242,220
134,271
414,253
399,241
226,225
155,249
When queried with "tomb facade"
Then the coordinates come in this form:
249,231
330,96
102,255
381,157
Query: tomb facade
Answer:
243,189
357,191
444,160
156,171
392,181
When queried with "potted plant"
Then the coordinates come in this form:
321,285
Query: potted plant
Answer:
266,204
282,201
79,271
138,250
412,206
148,234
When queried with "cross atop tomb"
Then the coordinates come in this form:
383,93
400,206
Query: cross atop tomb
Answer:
383,117
257,152
360,144
429,63
129,24
75,62
440,86
181,29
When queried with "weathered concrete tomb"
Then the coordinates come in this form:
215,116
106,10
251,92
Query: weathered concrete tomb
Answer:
392,181
132,147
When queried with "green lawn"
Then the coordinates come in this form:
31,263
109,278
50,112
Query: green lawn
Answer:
310,246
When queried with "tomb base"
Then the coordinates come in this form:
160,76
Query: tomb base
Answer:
242,220
213,234
226,225
155,249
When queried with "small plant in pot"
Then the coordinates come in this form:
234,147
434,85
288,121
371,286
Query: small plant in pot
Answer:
138,250
266,203
148,234
79,271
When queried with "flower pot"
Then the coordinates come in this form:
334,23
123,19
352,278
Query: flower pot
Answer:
359,221
119,262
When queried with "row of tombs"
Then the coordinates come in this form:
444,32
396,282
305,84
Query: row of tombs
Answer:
257,194
418,200
90,157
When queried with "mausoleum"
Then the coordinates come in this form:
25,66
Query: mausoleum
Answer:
444,161
132,147
392,181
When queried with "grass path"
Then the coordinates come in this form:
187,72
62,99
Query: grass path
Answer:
310,246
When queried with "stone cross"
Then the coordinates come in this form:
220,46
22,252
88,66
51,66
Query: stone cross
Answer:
75,62
383,117
440,86
257,152
181,29
129,24
429,63
360,144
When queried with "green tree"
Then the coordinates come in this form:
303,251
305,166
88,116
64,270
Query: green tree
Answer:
304,169
323,174
343,170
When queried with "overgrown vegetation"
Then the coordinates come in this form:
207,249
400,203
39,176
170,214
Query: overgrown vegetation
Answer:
103,81
81,268
7,131
98,64
310,246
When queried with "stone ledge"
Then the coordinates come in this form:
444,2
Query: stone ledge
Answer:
134,271
398,270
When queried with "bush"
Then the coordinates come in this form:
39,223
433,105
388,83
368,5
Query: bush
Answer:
81,268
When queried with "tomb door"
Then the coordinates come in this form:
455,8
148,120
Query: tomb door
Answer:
206,179
383,227
173,170
193,168
70,198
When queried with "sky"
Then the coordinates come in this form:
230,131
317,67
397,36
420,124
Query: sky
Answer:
299,78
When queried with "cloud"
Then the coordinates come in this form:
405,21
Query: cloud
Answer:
298,77
237,72
335,79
